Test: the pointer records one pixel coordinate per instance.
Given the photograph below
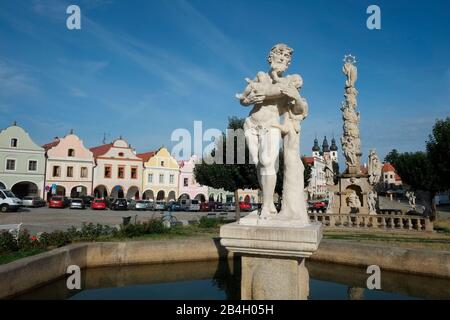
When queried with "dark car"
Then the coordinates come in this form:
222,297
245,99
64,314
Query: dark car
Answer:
87,200
119,204
218,206
174,206
204,207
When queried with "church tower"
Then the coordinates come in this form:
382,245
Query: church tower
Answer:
316,149
333,151
325,148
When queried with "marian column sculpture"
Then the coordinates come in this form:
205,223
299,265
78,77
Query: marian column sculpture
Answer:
351,143
354,193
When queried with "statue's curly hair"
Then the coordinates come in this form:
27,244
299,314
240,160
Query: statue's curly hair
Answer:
279,46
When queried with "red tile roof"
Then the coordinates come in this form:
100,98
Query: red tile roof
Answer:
388,167
101,150
309,160
52,144
397,177
146,156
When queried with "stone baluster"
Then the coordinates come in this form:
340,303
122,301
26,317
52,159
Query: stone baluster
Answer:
428,225
332,223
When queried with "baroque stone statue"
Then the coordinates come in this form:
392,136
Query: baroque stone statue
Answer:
273,95
372,202
374,168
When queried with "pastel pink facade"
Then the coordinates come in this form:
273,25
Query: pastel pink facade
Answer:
69,167
187,184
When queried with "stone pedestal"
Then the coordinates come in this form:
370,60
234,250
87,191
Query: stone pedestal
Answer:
359,183
273,258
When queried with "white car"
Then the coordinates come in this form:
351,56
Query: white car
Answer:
8,201
33,201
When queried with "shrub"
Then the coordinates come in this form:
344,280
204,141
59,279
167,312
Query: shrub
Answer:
7,242
26,242
55,239
209,222
154,226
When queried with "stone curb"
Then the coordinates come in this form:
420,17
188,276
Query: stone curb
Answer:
31,272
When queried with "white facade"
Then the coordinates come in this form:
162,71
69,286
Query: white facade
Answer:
317,186
118,171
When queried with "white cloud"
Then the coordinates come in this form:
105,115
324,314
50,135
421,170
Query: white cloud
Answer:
16,81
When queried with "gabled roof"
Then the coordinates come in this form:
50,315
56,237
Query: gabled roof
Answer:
101,150
146,156
387,167
52,144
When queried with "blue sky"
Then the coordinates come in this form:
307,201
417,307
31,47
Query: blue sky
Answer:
144,68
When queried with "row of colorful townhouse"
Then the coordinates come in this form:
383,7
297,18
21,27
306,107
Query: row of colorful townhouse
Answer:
66,167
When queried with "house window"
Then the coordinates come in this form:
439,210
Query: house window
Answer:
171,179
70,172
121,154
84,172
392,176
10,164
32,165
56,171
13,143
162,163
185,182
134,173
108,171
161,178
71,153
150,178
121,172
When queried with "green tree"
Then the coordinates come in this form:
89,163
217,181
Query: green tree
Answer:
230,177
427,171
392,156
438,149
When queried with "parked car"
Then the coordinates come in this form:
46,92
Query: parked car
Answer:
77,204
245,206
194,205
109,201
119,204
319,206
174,206
87,200
99,204
131,204
160,206
205,207
218,206
33,201
143,205
229,206
8,201
58,202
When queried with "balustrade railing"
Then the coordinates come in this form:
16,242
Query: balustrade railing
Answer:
380,221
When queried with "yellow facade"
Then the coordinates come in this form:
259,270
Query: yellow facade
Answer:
160,179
